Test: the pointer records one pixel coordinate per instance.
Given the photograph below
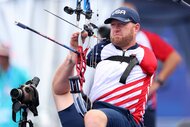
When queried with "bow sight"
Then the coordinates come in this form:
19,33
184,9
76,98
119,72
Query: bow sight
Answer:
78,11
87,12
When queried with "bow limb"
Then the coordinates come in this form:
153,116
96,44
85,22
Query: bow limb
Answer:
77,96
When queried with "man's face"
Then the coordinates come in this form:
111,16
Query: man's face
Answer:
122,34
3,60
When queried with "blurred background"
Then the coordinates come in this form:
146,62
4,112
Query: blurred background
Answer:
40,57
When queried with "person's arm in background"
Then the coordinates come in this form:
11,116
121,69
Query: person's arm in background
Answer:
168,67
169,57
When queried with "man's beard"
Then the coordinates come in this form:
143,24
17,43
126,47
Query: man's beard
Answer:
122,40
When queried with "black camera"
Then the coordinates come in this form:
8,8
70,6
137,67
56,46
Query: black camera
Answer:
27,93
25,97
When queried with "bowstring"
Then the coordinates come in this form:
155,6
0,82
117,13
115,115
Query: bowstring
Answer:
87,8
93,57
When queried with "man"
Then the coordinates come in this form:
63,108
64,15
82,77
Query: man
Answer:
118,98
10,77
169,58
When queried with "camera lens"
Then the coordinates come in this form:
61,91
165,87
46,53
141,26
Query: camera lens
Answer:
16,93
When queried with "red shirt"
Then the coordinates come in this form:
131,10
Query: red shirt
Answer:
160,48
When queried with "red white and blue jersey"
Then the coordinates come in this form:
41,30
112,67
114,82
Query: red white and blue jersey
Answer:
106,86
161,50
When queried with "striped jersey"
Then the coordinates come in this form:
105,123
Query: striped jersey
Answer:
106,86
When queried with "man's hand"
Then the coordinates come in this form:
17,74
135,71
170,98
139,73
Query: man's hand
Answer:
74,44
74,39
153,88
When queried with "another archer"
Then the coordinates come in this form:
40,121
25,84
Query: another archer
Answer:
123,74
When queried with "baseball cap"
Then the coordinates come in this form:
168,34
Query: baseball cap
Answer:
4,50
124,14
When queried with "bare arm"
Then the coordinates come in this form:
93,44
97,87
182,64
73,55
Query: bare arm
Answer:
168,67
60,81
60,84
61,78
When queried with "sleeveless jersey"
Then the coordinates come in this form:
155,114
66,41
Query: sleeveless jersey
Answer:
106,86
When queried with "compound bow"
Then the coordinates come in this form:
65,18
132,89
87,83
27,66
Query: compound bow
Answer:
76,82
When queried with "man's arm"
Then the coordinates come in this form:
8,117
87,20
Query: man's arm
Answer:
168,67
61,77
164,53
60,84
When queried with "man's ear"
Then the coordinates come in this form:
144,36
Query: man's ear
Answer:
137,27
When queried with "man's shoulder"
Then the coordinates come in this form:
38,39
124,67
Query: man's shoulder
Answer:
145,53
146,49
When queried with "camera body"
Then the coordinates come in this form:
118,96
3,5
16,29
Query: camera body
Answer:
26,96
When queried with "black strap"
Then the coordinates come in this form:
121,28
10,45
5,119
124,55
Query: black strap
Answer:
131,60
129,68
120,58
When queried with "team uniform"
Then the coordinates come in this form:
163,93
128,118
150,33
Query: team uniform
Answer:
161,50
123,103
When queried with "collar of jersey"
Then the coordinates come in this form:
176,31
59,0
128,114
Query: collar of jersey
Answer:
130,48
